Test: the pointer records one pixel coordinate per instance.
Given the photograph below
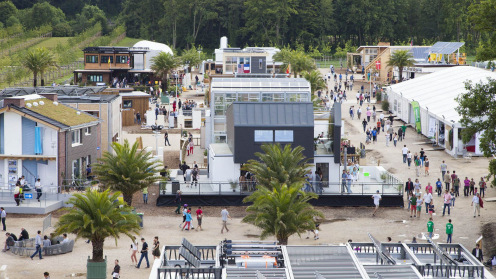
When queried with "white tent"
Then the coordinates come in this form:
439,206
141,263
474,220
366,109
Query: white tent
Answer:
153,50
436,94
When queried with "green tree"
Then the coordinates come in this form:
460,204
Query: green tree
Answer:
96,216
284,165
401,59
477,108
42,14
191,57
281,211
163,63
7,9
315,79
126,169
296,59
38,61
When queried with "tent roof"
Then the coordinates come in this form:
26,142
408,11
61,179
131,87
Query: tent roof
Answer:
437,91
153,46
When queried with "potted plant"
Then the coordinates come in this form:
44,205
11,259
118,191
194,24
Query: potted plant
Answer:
384,176
234,185
205,156
96,216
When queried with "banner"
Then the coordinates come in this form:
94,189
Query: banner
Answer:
416,113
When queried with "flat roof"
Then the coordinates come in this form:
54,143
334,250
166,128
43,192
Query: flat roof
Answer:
113,50
221,149
97,98
259,84
272,114
134,94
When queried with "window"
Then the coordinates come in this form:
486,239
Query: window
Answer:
260,64
91,58
88,160
283,136
395,105
105,59
121,59
127,104
264,136
76,137
76,168
95,78
87,131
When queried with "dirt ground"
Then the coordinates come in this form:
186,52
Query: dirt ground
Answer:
340,225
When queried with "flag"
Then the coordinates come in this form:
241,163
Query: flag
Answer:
378,65
128,61
108,60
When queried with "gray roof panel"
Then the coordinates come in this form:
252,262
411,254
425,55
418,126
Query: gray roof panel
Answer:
271,114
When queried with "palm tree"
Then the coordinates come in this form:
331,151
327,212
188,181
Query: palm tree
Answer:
401,59
95,216
38,61
281,211
126,169
298,60
163,63
315,79
284,165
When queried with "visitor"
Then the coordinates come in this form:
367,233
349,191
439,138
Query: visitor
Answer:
144,254
449,231
37,187
430,227
38,243
477,253
447,179
426,166
427,199
482,187
145,195
117,270
199,217
156,248
447,201
443,167
134,250
466,186
377,198
476,203
224,214
439,187
413,205
404,151
3,216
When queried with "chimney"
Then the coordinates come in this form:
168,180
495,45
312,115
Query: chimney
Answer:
16,101
50,96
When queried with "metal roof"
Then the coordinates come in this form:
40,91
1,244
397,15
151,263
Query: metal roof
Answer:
70,90
445,47
259,84
269,114
97,98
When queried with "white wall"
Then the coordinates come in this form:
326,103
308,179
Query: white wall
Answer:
13,133
48,174
116,119
49,140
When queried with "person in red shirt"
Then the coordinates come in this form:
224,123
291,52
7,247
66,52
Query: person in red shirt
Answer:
428,188
199,216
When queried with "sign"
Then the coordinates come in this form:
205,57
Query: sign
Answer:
378,65
416,113
28,196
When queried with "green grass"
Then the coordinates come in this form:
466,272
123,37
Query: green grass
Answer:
326,64
128,42
52,42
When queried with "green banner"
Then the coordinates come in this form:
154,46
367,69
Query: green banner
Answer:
416,113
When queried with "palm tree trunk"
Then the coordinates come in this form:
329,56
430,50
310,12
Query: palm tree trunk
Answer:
128,198
35,81
97,250
400,69
42,79
283,240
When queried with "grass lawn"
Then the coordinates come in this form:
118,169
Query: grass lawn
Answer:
326,64
52,42
128,42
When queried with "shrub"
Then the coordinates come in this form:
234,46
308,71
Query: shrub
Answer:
385,105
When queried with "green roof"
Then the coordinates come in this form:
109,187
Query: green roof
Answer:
60,112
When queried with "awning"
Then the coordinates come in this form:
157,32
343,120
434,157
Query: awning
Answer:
29,157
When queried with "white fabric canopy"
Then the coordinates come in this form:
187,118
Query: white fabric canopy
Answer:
436,92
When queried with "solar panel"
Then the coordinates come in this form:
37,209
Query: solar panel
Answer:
260,275
445,47
192,260
186,244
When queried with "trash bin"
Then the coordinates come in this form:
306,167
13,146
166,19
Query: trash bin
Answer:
175,187
141,219
362,153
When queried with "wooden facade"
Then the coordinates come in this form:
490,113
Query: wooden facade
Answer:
133,103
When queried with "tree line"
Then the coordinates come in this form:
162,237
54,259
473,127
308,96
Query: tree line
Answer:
326,25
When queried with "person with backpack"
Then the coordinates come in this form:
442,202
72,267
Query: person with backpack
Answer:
195,174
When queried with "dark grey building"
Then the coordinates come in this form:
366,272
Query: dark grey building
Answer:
250,124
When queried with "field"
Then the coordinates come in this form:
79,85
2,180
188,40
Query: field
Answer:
51,43
128,42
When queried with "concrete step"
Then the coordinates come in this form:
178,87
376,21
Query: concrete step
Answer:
32,207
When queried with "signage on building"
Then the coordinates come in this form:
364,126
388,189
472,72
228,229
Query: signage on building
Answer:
378,65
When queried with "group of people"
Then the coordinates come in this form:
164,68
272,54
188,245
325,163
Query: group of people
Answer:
21,186
190,174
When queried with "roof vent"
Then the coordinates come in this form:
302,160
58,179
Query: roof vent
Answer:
56,103
78,112
28,105
42,103
35,104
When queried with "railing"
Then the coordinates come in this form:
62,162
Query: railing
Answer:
190,273
248,187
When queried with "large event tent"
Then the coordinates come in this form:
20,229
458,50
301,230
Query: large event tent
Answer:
436,97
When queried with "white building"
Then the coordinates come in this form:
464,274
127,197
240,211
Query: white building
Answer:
435,94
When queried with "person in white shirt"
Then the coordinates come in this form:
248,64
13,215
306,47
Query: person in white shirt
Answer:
377,198
404,151
38,243
66,240
46,242
37,187
476,204
427,199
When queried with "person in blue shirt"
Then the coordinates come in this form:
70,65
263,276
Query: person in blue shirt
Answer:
439,187
374,135
344,177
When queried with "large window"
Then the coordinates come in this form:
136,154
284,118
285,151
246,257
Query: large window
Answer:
264,136
95,78
283,136
87,131
127,103
76,137
105,59
91,58
121,59
76,169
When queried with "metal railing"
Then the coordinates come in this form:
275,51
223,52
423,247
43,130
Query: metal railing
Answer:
190,273
248,187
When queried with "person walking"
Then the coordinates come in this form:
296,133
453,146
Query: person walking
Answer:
476,204
466,186
473,190
37,243
351,113
17,193
144,253
404,151
166,138
395,139
456,184
225,214
188,219
116,273
447,201
439,187
199,217
37,187
413,205
3,216
449,231
409,159
447,179
177,200
482,187
477,252
427,199
156,248
46,275
377,199
134,250
145,195
443,167
430,227
364,124
426,166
